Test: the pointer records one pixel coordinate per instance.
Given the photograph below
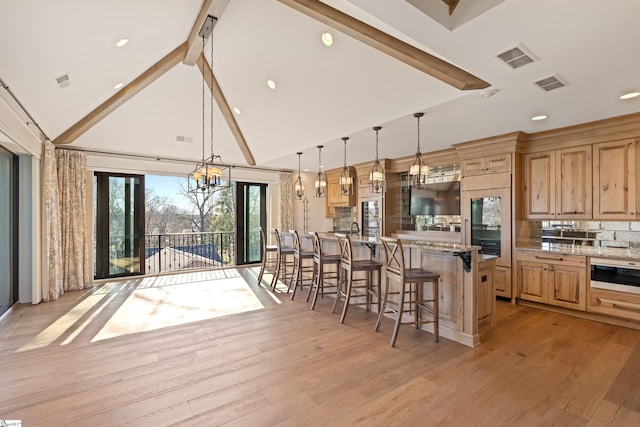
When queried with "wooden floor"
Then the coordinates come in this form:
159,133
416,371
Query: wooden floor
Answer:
207,349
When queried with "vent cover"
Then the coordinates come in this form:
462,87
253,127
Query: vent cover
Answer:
516,57
183,138
63,80
550,83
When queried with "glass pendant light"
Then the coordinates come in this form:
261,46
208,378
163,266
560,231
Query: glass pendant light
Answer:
418,172
376,177
321,179
298,186
346,180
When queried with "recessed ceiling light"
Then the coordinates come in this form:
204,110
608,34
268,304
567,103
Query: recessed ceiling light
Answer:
537,118
236,110
119,85
306,170
122,42
327,38
630,95
488,93
271,84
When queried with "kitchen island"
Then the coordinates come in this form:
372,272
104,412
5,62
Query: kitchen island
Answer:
462,297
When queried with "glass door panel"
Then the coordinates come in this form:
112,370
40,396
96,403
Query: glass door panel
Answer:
8,216
250,216
119,223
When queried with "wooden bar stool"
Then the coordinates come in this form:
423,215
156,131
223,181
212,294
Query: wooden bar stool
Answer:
299,267
269,256
320,274
283,262
411,281
364,287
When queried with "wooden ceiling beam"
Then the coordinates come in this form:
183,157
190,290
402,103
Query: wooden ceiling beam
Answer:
452,5
214,8
388,44
123,95
223,105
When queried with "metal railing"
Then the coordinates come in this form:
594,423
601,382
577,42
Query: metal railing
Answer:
188,251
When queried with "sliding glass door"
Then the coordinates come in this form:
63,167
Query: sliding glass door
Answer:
8,230
118,224
251,214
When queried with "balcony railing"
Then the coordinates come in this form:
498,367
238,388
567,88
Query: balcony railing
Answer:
188,251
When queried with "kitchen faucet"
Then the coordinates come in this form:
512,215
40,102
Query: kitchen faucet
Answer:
357,228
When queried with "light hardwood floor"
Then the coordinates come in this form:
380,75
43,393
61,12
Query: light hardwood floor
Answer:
213,348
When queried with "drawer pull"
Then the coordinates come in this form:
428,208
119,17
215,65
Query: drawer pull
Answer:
621,305
548,258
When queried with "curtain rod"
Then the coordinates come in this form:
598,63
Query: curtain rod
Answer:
170,159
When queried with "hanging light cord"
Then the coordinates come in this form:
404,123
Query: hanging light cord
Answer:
319,158
211,93
203,106
345,152
418,117
299,165
376,145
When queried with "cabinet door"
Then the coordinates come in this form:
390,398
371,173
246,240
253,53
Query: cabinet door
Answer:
502,281
498,164
473,167
539,185
334,195
614,180
573,183
567,286
486,295
533,281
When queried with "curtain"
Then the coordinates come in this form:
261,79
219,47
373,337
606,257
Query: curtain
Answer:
68,259
285,201
52,282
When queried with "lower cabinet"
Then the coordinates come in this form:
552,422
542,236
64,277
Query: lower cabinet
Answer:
554,279
619,304
502,281
486,295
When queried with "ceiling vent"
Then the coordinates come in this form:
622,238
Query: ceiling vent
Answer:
516,57
550,83
63,80
183,138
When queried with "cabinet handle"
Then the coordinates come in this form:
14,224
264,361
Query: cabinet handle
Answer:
549,258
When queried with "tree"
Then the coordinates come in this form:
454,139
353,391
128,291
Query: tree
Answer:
201,206
223,217
162,216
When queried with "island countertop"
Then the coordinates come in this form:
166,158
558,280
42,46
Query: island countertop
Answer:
407,243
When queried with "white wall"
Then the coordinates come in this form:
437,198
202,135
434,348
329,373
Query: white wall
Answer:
316,207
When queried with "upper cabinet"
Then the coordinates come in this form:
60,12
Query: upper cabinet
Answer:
486,165
335,198
557,184
614,180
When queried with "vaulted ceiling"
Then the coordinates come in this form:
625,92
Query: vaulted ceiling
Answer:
322,93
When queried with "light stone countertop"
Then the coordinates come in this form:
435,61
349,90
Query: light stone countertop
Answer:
590,251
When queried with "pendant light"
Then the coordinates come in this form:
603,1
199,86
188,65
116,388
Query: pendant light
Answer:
208,173
418,172
298,186
321,179
376,177
346,180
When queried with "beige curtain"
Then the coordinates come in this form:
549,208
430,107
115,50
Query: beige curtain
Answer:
52,283
65,177
285,201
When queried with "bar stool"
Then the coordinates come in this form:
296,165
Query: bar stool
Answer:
282,262
299,268
348,266
269,256
411,281
320,260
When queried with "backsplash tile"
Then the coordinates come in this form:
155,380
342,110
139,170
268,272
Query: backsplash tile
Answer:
616,234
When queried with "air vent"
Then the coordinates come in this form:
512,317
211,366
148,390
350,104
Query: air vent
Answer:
183,138
516,57
550,83
63,80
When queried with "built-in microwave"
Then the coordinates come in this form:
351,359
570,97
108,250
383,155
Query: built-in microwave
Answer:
615,275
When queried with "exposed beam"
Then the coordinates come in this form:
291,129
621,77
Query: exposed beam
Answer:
207,73
214,8
452,5
123,95
388,44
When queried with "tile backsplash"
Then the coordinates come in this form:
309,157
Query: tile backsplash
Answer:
602,234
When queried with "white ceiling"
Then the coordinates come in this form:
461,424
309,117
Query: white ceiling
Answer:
323,93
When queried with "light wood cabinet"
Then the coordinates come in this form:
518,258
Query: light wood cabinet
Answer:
486,295
554,279
614,180
502,281
487,165
613,303
557,184
335,198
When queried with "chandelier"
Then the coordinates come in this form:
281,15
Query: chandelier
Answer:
298,186
321,179
418,172
208,174
376,176
346,180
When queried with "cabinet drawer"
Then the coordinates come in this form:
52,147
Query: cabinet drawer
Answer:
552,258
619,304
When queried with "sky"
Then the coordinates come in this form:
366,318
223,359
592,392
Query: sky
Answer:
167,186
